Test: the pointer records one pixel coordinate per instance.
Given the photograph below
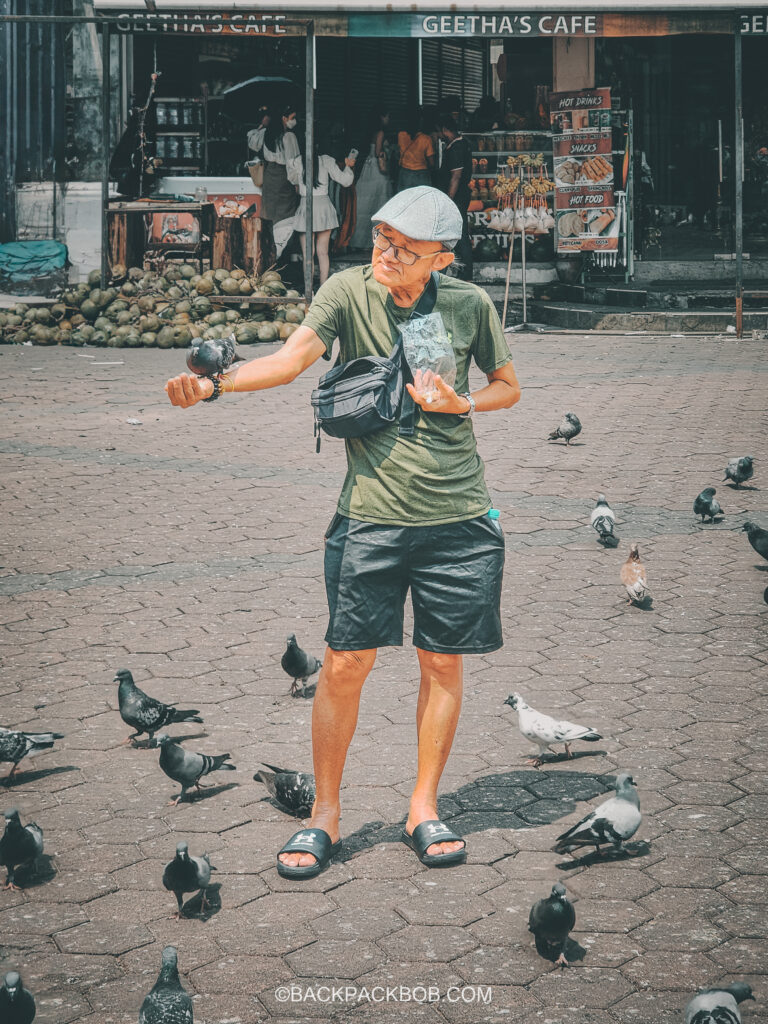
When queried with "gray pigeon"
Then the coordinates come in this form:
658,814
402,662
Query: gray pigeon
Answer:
168,1001
544,731
602,520
705,505
14,746
569,428
145,714
718,1005
758,538
212,355
614,821
187,874
299,665
187,768
739,470
17,1005
551,921
293,790
20,846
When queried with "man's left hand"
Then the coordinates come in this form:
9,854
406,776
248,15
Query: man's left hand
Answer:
430,391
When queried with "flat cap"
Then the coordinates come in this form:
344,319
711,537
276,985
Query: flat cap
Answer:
423,213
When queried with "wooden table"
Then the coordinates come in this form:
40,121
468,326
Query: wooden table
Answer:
129,234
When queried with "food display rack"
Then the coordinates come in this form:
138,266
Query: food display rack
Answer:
181,133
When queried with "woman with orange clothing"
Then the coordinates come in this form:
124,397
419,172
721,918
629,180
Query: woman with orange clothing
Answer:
417,154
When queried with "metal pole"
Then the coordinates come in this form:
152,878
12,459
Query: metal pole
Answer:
309,148
105,76
420,53
525,296
739,184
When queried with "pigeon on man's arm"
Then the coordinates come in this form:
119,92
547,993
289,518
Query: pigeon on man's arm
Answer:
706,505
569,428
145,714
544,731
293,790
167,1002
186,767
298,665
187,874
614,821
210,356
718,1005
15,746
20,846
551,921
17,1005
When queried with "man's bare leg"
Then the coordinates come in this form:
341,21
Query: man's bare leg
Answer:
437,715
334,719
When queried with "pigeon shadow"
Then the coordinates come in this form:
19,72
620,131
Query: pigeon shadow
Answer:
518,799
305,694
646,605
761,567
154,745
194,906
574,952
573,444
629,851
302,812
575,756
39,874
741,487
39,773
193,797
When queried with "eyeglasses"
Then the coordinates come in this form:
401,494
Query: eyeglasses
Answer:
401,254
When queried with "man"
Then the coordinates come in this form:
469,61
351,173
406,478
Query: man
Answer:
412,512
455,175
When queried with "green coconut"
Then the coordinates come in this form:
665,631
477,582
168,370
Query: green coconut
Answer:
135,273
89,310
133,340
219,317
220,274
246,334
128,289
204,286
292,294
118,272
40,335
293,315
232,316
187,271
165,337
286,330
230,286
269,332
146,303
148,338
76,319
245,287
181,338
184,306
94,278
58,310
101,323
124,317
44,316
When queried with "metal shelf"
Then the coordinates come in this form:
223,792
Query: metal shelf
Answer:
181,131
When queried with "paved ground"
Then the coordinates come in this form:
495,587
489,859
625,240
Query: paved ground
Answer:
186,547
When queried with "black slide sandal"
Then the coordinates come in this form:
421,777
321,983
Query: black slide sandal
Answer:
310,840
429,832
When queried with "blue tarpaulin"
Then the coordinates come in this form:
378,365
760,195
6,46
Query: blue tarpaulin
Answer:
22,261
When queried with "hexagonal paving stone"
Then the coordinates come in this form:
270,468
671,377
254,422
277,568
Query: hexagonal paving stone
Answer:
612,881
747,889
597,987
416,942
660,970
107,936
687,935
515,963
240,974
460,880
39,917
343,959
348,924
606,915
702,872
741,956
436,908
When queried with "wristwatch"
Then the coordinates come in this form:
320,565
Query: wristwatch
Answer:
466,415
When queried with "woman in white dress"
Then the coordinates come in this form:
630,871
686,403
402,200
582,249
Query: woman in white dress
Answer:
324,215
373,187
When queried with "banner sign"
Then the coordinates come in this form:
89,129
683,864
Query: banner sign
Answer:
585,207
182,23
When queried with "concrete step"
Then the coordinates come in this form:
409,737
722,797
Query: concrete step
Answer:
662,321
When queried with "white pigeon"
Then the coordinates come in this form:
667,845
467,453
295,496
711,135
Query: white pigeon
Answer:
602,520
544,731
614,821
718,1005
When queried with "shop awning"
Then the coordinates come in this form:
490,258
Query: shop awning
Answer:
407,6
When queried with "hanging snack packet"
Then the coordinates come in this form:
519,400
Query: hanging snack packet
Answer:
428,352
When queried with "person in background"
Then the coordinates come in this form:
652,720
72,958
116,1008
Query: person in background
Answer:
373,186
487,117
324,215
274,138
417,154
454,178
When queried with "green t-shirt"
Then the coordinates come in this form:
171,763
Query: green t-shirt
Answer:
436,475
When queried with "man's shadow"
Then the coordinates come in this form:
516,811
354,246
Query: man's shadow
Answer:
519,799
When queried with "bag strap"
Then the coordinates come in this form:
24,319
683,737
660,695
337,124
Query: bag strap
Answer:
424,306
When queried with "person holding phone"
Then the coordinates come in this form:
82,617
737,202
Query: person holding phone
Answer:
276,141
324,215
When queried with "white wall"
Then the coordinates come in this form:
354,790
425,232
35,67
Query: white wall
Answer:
78,220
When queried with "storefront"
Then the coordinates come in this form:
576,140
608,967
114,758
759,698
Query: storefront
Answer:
669,68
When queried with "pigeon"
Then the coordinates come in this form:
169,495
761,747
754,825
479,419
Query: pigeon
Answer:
758,538
20,845
706,506
293,790
17,1005
739,470
299,665
213,355
14,746
168,1001
187,874
188,768
568,429
145,714
634,577
765,595
544,731
614,821
718,1005
602,520
551,921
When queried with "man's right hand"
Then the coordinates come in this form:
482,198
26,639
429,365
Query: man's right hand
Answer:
186,390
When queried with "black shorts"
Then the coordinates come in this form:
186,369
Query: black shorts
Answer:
454,572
